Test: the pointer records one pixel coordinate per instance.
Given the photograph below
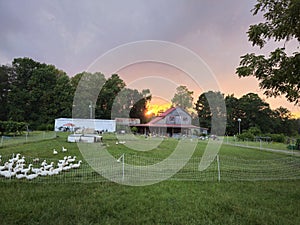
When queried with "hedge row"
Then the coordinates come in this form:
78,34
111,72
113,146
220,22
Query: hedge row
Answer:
7,127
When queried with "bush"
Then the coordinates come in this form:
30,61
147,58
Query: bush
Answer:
277,137
255,131
134,130
45,127
245,136
298,144
12,127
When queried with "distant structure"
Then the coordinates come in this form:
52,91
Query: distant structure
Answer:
123,124
84,125
174,121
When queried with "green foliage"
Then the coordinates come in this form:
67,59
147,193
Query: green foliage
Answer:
7,127
208,106
298,144
4,89
183,97
45,127
38,94
279,74
280,138
134,130
254,112
245,136
255,131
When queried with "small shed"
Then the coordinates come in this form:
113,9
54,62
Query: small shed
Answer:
86,138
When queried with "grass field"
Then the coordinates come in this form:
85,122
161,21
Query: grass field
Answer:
167,202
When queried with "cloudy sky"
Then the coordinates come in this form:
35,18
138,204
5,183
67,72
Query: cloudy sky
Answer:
73,34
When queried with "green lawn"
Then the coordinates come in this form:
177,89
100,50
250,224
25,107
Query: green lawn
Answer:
84,197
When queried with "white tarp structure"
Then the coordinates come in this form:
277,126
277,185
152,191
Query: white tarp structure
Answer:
73,124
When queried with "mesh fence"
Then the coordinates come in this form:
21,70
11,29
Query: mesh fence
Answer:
26,138
224,169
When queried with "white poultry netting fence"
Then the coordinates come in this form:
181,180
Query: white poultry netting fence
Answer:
26,138
224,169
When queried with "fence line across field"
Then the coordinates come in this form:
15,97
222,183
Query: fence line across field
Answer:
223,168
26,138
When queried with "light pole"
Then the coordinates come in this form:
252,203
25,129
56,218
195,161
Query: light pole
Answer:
239,120
91,110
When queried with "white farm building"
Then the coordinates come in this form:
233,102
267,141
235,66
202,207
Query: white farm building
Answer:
73,124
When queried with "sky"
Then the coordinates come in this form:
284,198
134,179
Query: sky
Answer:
72,35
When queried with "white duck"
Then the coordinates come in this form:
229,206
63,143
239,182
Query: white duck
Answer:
36,160
76,165
47,167
14,159
56,170
70,159
36,170
53,171
5,166
55,152
63,149
20,175
44,163
66,168
21,161
63,160
25,171
18,168
8,173
43,172
31,176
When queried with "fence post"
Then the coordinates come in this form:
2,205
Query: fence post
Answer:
123,167
260,144
219,171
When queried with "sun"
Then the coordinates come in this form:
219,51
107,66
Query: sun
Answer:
155,109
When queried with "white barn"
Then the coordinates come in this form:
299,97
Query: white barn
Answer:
73,124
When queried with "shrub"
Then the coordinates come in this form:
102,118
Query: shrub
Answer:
298,144
245,136
277,137
134,130
12,127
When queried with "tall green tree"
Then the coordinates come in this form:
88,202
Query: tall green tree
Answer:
107,95
209,106
4,89
279,73
233,113
183,97
38,92
86,88
283,122
254,112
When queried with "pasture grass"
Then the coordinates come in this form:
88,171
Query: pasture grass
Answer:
167,202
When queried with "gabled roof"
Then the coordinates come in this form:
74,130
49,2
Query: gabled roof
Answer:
168,111
161,116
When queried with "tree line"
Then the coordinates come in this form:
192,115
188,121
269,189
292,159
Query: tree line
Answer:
246,112
37,93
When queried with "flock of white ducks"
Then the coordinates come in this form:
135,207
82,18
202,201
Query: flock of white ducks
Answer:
16,167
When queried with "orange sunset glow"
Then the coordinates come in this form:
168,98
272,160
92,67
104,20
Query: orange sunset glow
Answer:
155,109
